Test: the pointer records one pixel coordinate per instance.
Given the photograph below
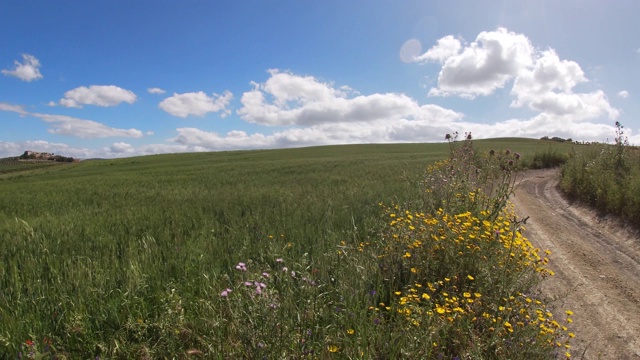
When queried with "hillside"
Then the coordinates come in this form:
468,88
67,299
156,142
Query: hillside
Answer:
132,255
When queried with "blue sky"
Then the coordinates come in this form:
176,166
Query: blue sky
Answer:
125,78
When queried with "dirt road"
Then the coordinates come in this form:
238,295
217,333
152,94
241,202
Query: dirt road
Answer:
596,264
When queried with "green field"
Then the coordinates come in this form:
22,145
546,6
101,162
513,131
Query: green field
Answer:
127,258
10,165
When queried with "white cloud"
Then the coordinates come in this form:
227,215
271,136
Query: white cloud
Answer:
86,129
99,95
623,94
428,129
13,108
542,82
195,138
287,99
28,70
155,90
120,148
67,125
446,47
196,104
548,73
482,66
547,87
286,87
317,113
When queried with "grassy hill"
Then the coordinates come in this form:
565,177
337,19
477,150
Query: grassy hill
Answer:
93,251
298,191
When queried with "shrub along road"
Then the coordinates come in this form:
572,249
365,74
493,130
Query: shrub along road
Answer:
596,263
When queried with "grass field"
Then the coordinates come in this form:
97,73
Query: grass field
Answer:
10,165
132,258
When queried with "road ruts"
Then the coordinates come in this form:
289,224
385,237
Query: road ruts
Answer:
596,265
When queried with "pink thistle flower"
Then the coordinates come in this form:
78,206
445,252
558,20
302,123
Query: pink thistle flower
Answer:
226,292
279,260
265,274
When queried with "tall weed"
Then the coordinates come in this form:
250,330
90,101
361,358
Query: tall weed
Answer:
605,177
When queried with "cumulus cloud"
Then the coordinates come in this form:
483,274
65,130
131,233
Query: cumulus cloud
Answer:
548,73
428,129
196,138
623,94
542,82
547,87
27,70
480,67
120,148
446,47
196,104
314,112
67,125
288,99
99,95
155,90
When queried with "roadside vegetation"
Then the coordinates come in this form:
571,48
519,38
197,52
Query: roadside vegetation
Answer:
345,252
605,176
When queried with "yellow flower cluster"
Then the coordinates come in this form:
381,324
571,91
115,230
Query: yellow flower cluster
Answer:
442,256
464,235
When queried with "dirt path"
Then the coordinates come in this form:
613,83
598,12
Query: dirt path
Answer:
596,265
